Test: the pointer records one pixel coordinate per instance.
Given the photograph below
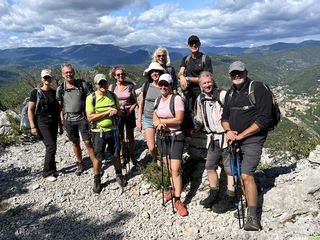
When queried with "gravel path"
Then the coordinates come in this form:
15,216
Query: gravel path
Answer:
32,208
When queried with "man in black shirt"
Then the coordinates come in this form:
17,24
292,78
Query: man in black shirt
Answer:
248,125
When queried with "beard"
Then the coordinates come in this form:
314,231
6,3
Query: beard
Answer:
238,81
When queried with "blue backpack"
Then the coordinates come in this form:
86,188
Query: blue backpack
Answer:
24,121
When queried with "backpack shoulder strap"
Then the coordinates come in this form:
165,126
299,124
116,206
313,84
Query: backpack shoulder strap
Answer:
203,60
186,61
156,103
251,93
114,98
145,89
172,107
113,87
94,100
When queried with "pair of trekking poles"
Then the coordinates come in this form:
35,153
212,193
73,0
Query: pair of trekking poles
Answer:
165,143
235,161
115,130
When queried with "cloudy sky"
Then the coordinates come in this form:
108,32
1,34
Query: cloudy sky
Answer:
244,23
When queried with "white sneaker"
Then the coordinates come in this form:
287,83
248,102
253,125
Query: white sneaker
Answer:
51,178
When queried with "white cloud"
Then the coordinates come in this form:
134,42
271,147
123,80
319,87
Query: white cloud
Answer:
225,22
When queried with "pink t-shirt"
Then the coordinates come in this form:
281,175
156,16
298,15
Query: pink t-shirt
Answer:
124,96
163,110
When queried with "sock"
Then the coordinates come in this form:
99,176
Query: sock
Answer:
177,198
252,211
230,193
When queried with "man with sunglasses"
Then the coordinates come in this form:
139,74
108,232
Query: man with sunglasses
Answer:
71,95
190,68
247,124
101,108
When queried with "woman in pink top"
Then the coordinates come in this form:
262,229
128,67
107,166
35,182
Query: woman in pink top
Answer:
125,92
167,119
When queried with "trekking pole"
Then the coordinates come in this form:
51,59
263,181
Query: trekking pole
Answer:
171,187
126,152
161,156
116,141
236,178
237,153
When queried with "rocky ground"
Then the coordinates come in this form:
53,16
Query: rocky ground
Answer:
31,208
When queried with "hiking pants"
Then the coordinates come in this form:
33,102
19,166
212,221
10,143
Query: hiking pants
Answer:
48,129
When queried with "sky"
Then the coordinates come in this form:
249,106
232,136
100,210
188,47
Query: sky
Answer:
229,23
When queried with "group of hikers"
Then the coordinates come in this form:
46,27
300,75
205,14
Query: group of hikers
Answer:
107,117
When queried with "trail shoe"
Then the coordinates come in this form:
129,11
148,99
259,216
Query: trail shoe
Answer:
97,184
224,205
50,178
79,170
168,196
252,224
181,209
211,199
121,180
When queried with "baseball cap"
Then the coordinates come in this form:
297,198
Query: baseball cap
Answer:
237,66
100,77
165,77
193,38
46,73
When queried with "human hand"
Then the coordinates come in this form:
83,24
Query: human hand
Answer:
34,131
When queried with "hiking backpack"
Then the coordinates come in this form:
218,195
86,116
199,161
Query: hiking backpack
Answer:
203,60
24,121
276,113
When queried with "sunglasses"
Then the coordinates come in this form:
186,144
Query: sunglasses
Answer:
236,73
47,77
159,56
120,74
163,84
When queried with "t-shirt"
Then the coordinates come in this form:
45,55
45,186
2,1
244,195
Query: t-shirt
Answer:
124,96
194,67
103,103
152,94
48,105
163,110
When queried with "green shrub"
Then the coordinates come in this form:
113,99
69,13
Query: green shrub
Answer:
152,174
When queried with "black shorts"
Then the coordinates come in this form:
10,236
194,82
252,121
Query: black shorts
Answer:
167,149
100,141
129,121
73,127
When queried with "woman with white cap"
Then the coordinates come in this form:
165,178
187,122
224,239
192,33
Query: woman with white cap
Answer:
167,119
149,94
43,115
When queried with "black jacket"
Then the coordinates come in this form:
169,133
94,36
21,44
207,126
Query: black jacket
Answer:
241,114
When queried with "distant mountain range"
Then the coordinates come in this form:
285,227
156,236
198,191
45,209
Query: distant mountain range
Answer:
276,64
88,55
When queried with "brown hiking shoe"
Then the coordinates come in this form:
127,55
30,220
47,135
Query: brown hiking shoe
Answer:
181,209
79,170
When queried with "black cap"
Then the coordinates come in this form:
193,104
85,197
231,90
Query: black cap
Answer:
193,38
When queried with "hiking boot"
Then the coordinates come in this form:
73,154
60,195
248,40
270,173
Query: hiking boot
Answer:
181,209
168,195
224,205
121,180
211,199
252,224
79,170
97,184
51,178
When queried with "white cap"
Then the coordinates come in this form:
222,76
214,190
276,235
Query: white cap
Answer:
46,73
165,77
100,77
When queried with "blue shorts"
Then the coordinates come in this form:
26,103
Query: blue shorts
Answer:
147,122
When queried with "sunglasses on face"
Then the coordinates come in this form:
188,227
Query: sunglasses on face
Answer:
47,78
163,55
102,82
194,43
163,84
236,73
120,74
